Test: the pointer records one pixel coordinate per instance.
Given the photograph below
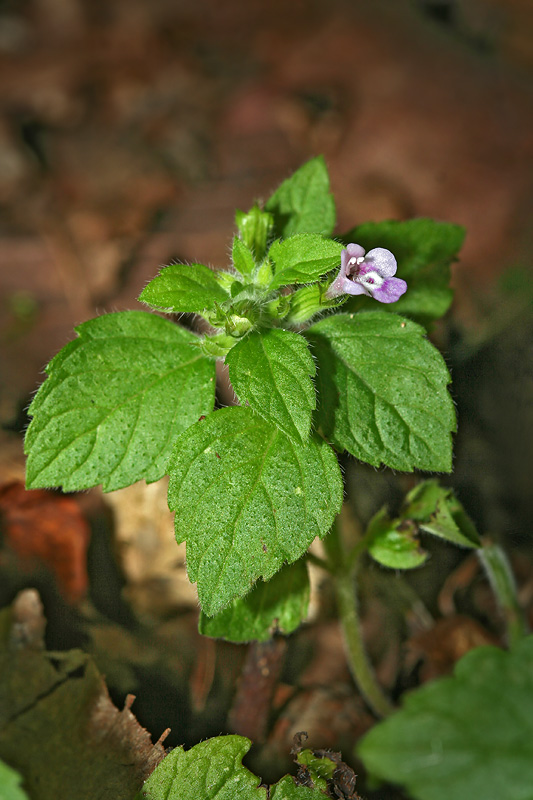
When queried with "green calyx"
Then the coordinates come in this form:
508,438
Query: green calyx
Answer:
307,302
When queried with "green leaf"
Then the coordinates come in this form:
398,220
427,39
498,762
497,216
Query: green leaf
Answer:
382,391
287,789
463,737
255,228
11,784
184,288
114,402
320,768
303,258
394,543
279,605
247,499
272,371
303,203
211,770
437,511
242,257
424,250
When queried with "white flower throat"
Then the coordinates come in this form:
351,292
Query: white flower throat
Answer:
371,278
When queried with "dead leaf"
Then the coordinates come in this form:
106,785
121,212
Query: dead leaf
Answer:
152,563
448,641
59,728
40,525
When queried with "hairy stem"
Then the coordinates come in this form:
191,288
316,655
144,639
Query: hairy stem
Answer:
344,572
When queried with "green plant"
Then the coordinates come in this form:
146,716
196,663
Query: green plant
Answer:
319,369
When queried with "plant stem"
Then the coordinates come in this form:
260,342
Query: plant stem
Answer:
501,578
318,562
345,589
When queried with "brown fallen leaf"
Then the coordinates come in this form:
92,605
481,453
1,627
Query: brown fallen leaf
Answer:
152,563
58,726
439,648
40,525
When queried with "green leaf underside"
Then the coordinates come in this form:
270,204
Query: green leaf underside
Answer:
303,258
392,545
213,770
303,203
115,400
463,737
272,371
424,250
182,288
279,605
382,391
11,784
437,511
247,499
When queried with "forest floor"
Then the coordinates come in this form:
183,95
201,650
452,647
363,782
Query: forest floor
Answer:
129,134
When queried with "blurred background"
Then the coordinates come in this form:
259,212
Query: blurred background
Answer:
129,134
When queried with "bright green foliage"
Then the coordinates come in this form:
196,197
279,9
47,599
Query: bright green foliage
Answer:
255,228
272,371
287,789
319,768
183,287
382,391
428,507
424,250
303,258
247,500
114,402
213,770
394,543
279,605
10,784
303,203
437,511
243,259
464,737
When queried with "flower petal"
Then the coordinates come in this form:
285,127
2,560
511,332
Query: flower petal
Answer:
390,290
351,287
382,261
354,251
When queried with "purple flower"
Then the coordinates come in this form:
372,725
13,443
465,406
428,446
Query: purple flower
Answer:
369,274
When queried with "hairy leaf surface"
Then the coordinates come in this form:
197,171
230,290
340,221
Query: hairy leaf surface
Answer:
242,256
213,770
382,391
272,371
114,402
464,737
247,500
279,605
303,258
303,203
183,287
